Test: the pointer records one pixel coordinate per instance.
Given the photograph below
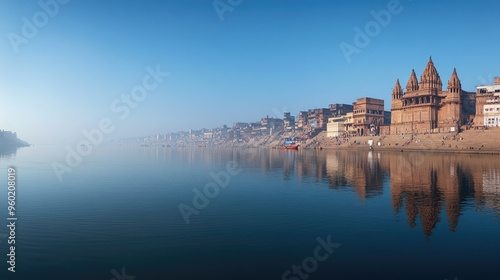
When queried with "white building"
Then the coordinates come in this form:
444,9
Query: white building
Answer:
495,88
490,96
335,126
491,112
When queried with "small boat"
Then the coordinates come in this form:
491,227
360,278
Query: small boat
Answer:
289,147
289,144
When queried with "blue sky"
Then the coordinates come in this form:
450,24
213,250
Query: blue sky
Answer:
264,57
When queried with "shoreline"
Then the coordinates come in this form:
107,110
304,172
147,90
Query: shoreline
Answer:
465,142
409,149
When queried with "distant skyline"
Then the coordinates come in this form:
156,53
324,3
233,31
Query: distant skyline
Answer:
232,61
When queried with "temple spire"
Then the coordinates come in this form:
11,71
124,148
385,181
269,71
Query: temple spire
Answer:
430,78
454,84
397,92
412,84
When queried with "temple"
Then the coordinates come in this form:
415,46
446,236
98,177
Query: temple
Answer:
426,107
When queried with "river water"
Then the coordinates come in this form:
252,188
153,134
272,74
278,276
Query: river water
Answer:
130,212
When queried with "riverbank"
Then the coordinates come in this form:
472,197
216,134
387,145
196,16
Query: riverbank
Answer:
470,141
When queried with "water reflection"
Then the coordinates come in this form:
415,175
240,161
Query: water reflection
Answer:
7,151
424,186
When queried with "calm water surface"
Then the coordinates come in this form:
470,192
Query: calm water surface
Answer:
388,215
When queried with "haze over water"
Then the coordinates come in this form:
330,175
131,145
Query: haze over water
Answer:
392,215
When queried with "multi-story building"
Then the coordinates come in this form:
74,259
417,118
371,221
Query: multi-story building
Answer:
349,123
340,109
288,121
270,125
425,107
314,119
335,126
318,118
302,122
487,102
341,125
368,116
492,113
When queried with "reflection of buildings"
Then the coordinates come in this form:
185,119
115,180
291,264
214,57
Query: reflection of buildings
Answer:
425,184
414,185
422,185
427,188
361,171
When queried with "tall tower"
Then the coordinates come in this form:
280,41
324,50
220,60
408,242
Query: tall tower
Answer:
397,95
430,79
412,84
396,107
454,85
453,98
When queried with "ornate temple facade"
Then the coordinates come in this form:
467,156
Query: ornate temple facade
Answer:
426,107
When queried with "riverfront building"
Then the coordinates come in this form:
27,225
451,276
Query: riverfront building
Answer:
426,107
488,105
368,116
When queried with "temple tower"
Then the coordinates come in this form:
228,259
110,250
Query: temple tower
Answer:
412,84
397,95
430,79
453,99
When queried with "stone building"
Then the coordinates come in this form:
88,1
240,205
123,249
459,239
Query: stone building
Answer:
340,109
368,116
302,120
288,121
425,107
488,105
318,118
270,125
314,119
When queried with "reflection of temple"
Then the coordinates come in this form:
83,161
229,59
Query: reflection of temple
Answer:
427,187
426,183
422,184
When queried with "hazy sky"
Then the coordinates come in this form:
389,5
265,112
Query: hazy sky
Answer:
264,57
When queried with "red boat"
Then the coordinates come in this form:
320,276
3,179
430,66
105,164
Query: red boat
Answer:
289,147
292,147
